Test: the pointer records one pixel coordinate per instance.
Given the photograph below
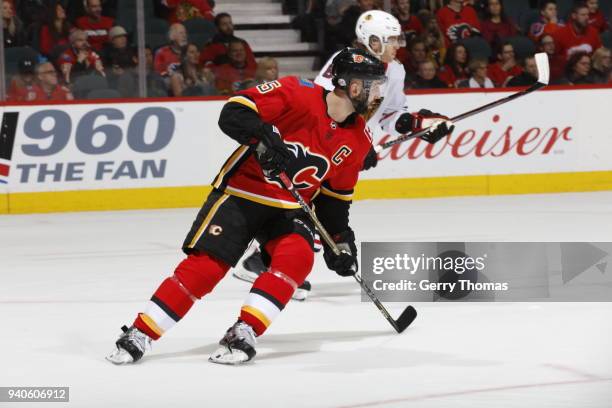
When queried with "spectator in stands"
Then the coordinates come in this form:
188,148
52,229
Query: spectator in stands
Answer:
21,86
434,40
346,28
267,70
118,45
228,76
426,77
578,69
78,8
47,87
505,67
121,74
56,31
181,10
156,85
577,35
95,24
597,19
14,32
529,76
411,25
189,79
455,65
79,59
547,23
31,11
602,65
172,53
417,53
216,50
478,75
496,26
458,21
555,61
335,9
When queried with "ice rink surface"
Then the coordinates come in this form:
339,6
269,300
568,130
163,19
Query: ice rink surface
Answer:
69,281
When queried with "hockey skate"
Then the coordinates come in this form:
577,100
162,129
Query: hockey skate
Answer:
253,266
131,346
237,346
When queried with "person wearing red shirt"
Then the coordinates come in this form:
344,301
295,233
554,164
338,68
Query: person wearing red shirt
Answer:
56,31
596,17
215,51
170,55
21,86
555,61
458,21
411,25
228,76
181,10
95,24
79,59
505,67
497,26
548,22
455,65
48,87
577,35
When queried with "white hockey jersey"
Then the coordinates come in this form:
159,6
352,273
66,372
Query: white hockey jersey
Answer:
394,98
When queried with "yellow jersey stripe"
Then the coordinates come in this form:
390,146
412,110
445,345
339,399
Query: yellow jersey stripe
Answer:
151,323
259,315
234,158
206,221
269,201
343,197
244,101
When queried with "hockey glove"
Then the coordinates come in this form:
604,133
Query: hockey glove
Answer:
371,160
344,264
271,153
440,125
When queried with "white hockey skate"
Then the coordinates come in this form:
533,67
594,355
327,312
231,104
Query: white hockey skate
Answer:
253,266
131,346
237,346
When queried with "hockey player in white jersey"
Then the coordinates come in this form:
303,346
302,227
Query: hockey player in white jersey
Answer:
380,34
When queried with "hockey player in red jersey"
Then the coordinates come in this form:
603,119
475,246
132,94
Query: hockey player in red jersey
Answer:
319,140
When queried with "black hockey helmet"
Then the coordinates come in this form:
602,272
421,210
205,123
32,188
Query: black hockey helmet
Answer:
356,63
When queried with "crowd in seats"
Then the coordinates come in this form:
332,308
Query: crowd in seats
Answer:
64,49
487,43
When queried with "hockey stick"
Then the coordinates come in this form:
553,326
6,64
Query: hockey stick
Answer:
543,78
407,316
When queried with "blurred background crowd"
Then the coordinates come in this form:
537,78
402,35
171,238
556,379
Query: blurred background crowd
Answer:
88,49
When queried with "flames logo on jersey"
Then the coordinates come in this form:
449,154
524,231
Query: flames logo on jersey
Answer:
307,169
460,31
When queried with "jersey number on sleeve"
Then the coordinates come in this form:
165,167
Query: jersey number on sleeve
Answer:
268,86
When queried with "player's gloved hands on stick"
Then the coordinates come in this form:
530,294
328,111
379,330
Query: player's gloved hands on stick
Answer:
371,160
271,153
440,125
344,264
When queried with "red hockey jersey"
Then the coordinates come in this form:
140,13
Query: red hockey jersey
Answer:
328,157
458,26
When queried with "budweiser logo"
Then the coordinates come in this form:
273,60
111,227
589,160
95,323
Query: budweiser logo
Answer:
478,143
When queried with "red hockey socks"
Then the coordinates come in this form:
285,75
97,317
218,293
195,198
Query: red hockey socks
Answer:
193,278
292,260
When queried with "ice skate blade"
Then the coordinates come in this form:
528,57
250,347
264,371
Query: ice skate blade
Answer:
120,357
225,356
245,275
300,295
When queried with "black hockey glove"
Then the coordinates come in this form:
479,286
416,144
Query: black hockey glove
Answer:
371,160
344,264
413,122
271,153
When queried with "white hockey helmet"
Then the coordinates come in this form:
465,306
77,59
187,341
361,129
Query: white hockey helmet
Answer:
378,24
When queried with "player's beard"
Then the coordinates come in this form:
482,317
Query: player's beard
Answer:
372,108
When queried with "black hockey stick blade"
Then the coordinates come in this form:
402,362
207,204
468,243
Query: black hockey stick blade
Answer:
405,319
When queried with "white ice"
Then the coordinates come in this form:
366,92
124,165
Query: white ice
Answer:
69,281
